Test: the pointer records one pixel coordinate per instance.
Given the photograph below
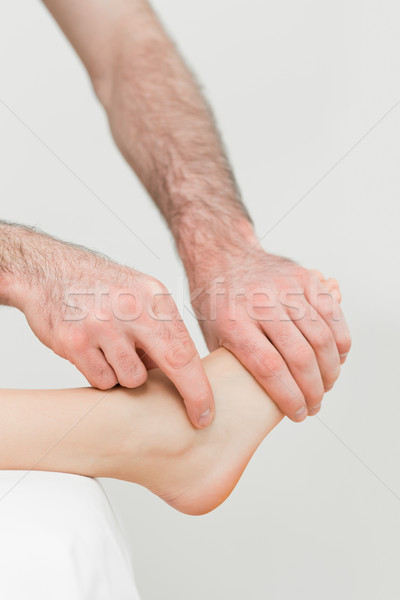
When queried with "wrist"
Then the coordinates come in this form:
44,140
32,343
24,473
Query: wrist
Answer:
213,244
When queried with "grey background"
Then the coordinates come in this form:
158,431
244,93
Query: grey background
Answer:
300,90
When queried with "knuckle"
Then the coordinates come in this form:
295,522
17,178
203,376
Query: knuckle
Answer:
99,373
154,287
125,357
270,363
133,378
164,334
180,355
125,306
104,379
283,334
163,307
172,332
303,357
322,340
264,362
99,317
325,303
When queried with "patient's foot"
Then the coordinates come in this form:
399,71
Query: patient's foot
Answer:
143,435
195,470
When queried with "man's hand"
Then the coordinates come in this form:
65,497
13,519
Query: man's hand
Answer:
110,321
278,319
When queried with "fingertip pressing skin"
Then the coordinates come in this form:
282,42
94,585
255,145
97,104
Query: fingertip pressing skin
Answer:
181,363
200,407
205,419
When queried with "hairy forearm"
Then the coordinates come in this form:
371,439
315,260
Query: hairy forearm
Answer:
29,257
166,131
160,120
24,256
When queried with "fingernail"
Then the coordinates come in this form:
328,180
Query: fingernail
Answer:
301,414
205,418
314,409
343,356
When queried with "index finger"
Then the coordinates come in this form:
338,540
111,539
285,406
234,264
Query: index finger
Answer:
172,348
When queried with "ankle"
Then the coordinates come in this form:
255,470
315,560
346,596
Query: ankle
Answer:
148,437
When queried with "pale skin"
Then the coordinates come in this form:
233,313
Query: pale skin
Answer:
144,435
165,129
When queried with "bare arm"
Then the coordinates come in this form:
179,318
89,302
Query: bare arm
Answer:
166,131
159,118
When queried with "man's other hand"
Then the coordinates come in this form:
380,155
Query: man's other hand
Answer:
282,321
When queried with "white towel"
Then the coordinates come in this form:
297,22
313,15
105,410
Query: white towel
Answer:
59,540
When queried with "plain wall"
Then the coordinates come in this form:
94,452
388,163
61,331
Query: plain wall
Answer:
300,90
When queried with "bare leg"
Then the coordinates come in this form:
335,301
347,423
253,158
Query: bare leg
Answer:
142,435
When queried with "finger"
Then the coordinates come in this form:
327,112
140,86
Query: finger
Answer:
258,355
146,360
128,367
320,337
336,294
300,358
332,285
170,346
317,274
328,308
94,366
